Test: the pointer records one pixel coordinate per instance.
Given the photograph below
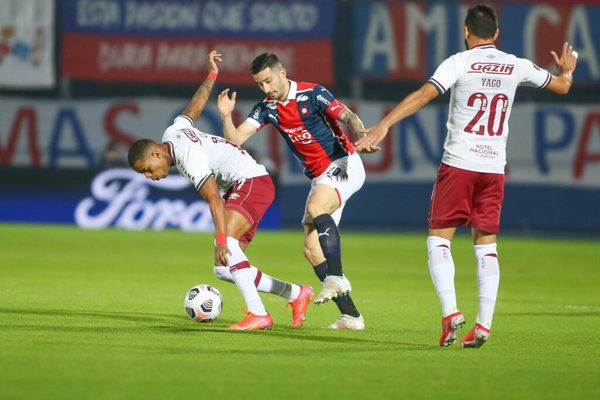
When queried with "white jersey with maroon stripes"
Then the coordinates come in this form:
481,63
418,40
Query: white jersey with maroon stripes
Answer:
198,156
483,81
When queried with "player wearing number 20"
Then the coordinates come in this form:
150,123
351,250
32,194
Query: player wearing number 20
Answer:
469,187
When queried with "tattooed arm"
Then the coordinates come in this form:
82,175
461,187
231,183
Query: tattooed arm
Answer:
357,128
353,123
198,102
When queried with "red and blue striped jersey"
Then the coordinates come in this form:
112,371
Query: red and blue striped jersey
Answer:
308,122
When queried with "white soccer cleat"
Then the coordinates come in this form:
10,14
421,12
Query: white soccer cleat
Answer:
333,286
346,321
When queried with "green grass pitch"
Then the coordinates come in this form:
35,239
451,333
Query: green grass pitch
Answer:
99,315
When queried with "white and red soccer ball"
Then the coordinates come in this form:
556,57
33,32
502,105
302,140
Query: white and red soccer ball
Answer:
203,303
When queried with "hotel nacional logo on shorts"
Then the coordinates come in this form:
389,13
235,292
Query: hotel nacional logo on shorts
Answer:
491,68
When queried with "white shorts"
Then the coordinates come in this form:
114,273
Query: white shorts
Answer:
350,167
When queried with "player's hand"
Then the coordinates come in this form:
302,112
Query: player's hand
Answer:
369,142
365,150
214,56
225,103
222,254
567,60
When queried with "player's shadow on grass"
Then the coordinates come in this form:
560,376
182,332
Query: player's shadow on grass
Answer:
308,335
113,315
181,325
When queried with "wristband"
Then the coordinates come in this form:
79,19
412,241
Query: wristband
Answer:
221,238
212,76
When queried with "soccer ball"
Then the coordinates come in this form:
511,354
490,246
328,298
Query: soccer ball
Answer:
203,303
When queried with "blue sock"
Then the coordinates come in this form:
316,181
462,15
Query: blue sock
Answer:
329,238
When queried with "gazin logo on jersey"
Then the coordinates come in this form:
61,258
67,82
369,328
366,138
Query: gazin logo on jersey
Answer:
491,68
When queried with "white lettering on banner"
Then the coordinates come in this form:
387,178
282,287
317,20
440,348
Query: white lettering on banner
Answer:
187,56
273,17
240,55
377,44
216,16
161,15
436,22
98,13
127,55
122,196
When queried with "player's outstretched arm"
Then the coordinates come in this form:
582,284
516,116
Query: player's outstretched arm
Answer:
407,107
355,125
200,98
566,64
236,135
210,192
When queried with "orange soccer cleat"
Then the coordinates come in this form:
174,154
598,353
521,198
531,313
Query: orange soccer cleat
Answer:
450,324
253,322
300,305
476,337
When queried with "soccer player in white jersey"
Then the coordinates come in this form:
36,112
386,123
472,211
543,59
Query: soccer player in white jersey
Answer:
469,187
212,163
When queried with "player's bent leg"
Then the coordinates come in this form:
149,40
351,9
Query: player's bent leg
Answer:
298,296
322,201
350,317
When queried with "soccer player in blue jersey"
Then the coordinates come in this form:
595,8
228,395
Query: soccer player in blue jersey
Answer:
307,117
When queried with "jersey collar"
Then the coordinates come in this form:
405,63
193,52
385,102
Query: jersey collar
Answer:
292,92
484,46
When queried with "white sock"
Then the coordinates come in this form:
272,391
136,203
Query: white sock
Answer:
441,268
488,279
242,275
263,282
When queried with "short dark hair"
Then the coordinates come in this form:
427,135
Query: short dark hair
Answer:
265,60
481,21
138,151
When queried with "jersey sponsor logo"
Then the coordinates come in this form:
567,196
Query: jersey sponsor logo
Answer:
190,134
303,137
323,100
491,68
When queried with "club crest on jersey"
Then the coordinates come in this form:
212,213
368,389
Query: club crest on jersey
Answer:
304,112
491,68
